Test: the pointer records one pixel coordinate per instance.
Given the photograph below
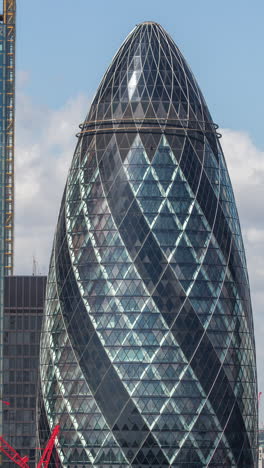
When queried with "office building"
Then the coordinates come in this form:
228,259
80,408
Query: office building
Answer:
23,310
147,351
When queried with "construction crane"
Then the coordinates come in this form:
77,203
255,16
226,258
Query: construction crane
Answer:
11,453
45,458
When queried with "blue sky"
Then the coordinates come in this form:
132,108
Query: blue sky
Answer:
63,50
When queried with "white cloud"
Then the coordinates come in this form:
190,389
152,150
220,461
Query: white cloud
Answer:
246,166
245,161
22,78
255,236
45,141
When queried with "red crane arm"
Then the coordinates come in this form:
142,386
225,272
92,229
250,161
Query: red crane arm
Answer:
12,454
45,458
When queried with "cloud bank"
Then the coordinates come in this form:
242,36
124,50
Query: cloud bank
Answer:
45,141
246,167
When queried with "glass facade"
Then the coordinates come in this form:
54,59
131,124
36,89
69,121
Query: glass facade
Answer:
147,348
23,311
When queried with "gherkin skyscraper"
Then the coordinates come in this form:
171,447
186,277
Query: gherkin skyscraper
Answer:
148,354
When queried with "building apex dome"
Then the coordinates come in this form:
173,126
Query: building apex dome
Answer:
149,79
148,22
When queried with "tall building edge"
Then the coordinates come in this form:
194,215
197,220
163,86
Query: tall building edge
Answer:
9,20
7,141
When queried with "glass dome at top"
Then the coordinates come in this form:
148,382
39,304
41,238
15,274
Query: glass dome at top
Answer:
147,352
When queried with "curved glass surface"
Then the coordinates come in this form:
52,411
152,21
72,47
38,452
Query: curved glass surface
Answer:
148,355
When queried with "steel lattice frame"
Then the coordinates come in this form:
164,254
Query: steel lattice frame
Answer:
9,18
